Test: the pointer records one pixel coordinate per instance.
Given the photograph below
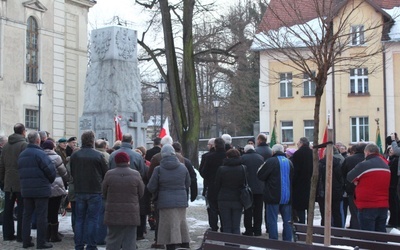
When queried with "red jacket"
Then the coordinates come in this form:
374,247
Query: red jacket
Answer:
372,179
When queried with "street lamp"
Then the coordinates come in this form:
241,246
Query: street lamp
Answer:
39,86
216,106
162,86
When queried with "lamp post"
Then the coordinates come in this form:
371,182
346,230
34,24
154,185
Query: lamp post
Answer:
216,106
39,87
162,86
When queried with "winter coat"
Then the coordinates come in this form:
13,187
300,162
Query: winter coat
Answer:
277,179
172,181
193,178
253,161
122,189
9,175
209,171
230,179
349,163
136,160
303,167
155,162
36,172
393,165
58,187
88,167
264,150
372,179
337,179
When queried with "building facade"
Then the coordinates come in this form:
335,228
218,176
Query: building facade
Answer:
357,98
43,40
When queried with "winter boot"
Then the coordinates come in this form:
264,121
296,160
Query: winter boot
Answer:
54,237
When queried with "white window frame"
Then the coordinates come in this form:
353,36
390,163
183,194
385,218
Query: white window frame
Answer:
359,81
285,85
286,126
359,127
357,35
308,85
309,126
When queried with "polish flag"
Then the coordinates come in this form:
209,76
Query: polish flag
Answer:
118,131
165,129
324,139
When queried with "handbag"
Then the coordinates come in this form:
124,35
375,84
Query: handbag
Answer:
246,195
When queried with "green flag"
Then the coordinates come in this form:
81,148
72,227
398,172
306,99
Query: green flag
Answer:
378,140
273,137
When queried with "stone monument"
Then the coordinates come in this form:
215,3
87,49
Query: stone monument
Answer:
112,86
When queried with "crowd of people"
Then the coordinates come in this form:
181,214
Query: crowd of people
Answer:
114,191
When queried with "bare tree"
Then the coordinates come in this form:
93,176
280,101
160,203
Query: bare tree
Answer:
314,36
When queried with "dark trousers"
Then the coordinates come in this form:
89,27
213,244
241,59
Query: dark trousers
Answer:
141,229
213,214
393,207
354,223
253,216
336,214
8,217
54,205
40,207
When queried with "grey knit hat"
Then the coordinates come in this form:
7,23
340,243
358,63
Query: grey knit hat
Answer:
167,150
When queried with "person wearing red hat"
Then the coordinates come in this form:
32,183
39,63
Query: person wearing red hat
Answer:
122,188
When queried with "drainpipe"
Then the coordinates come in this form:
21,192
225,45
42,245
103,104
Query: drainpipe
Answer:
384,90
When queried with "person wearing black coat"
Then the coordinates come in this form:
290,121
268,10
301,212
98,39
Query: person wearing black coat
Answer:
337,190
394,220
349,163
229,180
209,171
253,216
303,167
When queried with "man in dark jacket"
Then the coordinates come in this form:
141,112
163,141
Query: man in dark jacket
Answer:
9,180
262,147
36,172
88,167
277,176
303,167
349,163
188,164
253,216
155,149
211,165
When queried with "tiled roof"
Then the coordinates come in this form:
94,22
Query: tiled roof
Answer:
290,12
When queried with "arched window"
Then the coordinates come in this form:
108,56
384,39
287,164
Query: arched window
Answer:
32,51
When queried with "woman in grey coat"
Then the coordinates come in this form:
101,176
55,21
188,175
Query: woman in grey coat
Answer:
171,181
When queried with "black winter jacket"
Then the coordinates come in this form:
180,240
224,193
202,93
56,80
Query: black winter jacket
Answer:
337,179
253,162
348,164
88,167
229,180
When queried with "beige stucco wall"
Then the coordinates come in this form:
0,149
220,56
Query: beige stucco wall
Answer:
62,64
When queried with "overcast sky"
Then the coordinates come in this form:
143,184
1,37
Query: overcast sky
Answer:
104,11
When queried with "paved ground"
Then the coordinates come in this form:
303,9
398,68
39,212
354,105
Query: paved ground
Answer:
196,217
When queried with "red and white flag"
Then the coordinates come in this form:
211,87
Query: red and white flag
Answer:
324,139
165,129
118,131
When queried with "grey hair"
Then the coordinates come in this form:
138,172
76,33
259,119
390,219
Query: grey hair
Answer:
127,138
371,148
248,147
43,135
276,148
227,138
32,137
211,141
304,141
3,139
166,140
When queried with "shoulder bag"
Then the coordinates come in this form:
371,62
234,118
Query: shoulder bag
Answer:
246,195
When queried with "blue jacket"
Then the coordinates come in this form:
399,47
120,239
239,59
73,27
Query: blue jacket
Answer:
36,172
